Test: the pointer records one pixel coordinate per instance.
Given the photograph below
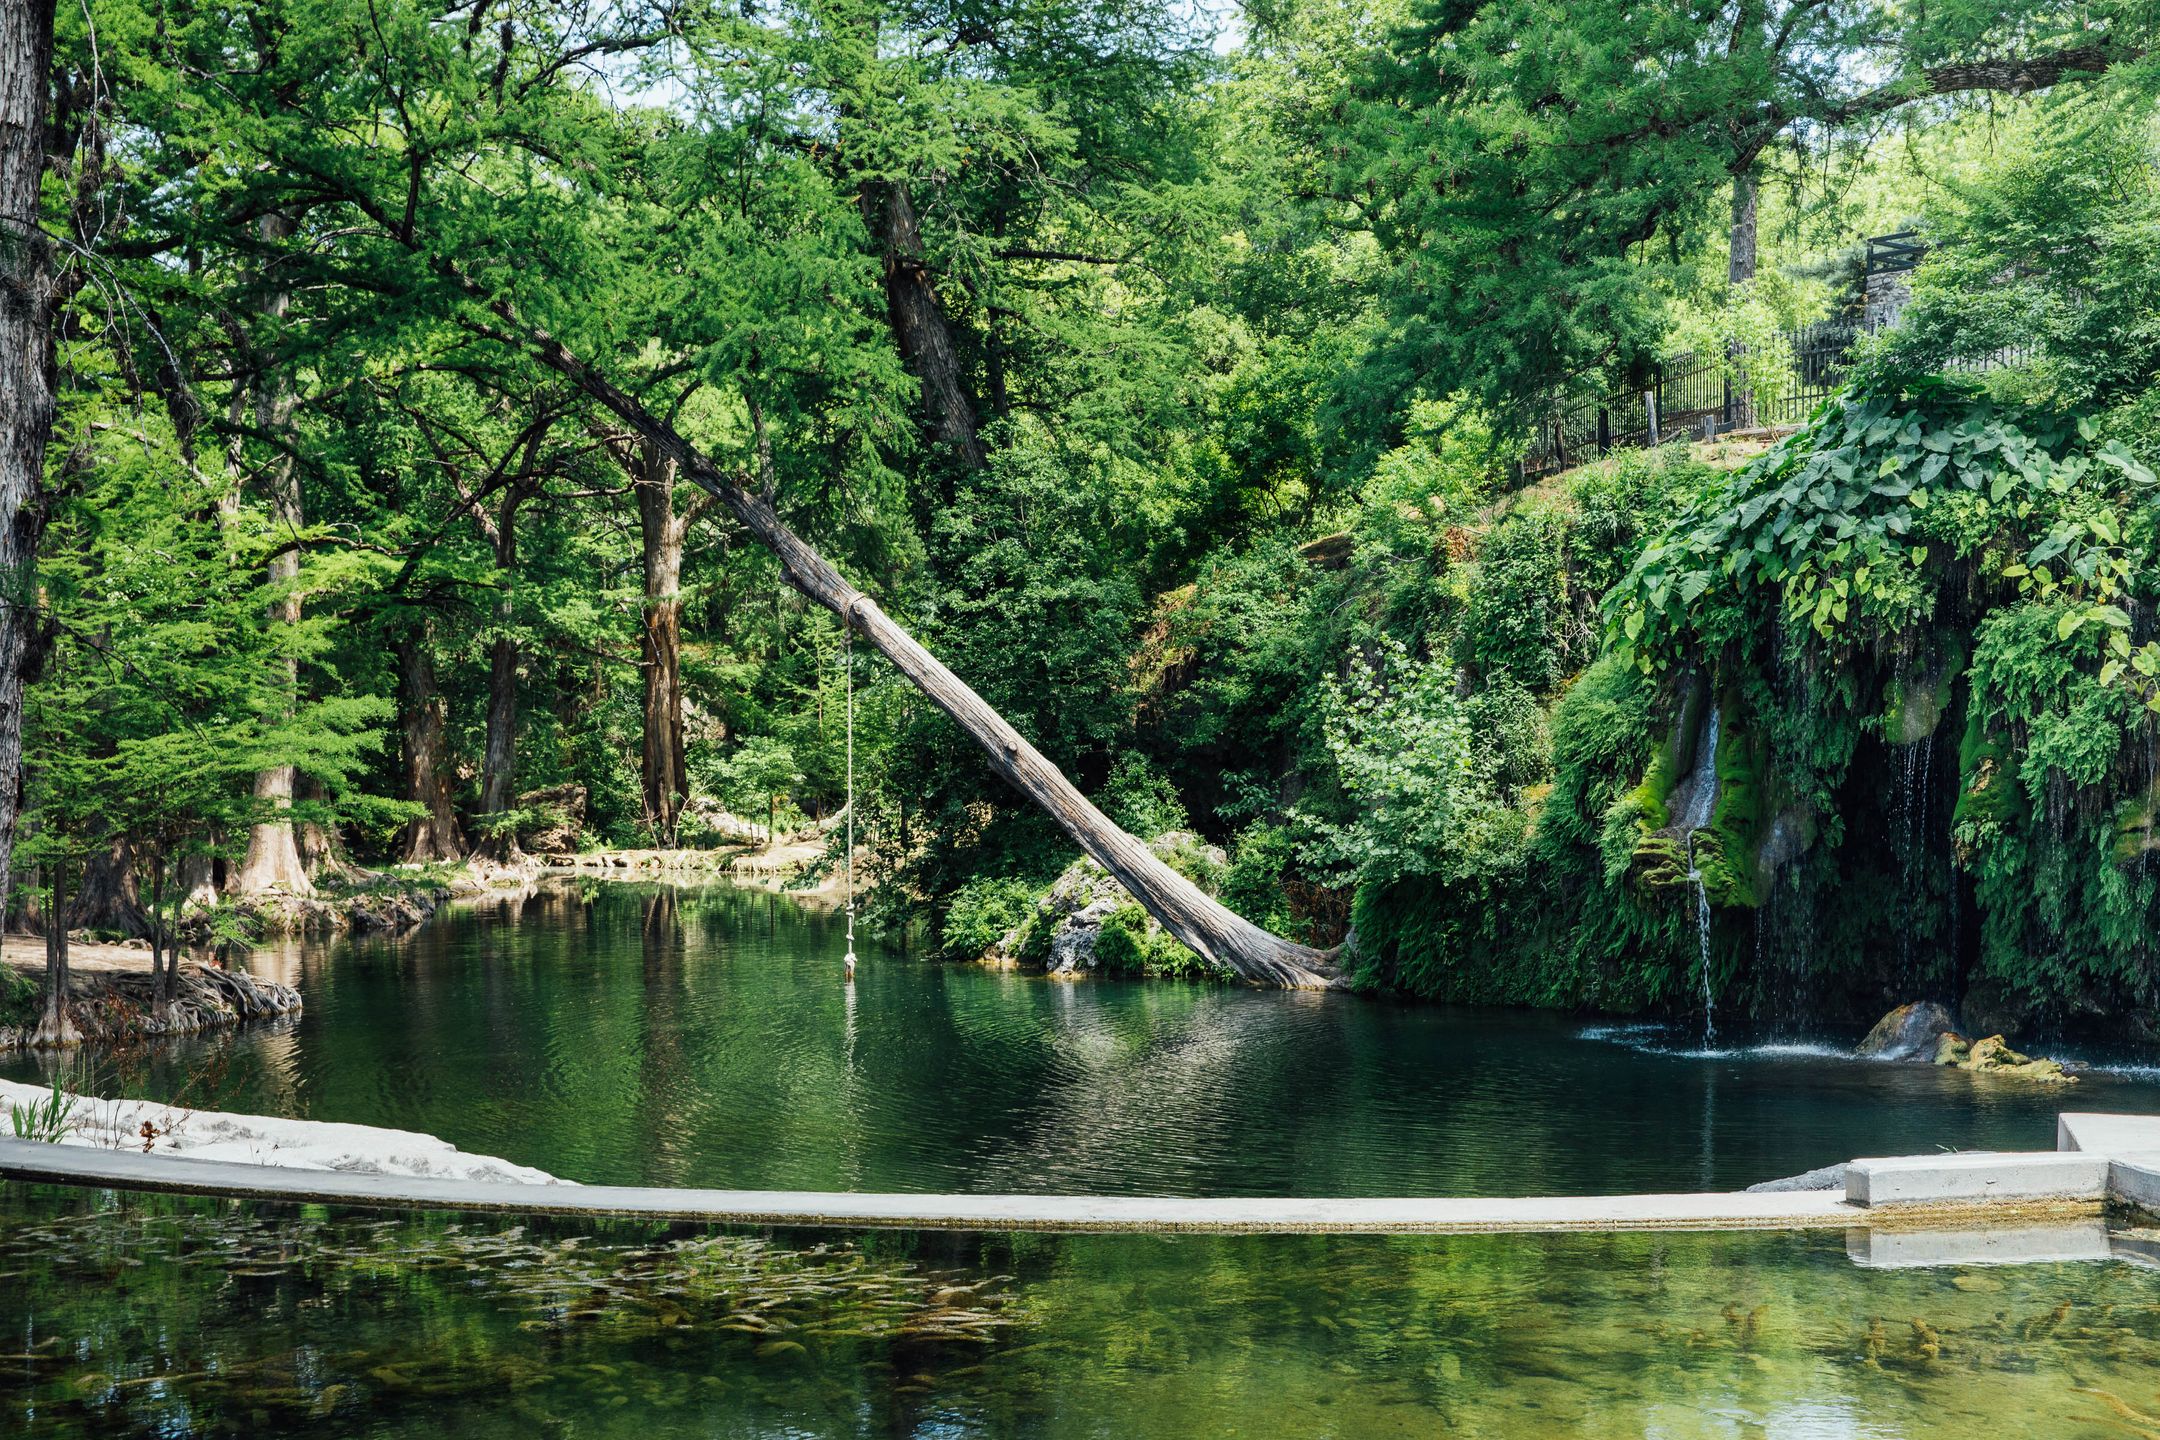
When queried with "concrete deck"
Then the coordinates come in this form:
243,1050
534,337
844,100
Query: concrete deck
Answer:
1996,1190
2107,1134
30,1161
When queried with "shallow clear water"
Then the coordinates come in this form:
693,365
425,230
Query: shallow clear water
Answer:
145,1316
620,1033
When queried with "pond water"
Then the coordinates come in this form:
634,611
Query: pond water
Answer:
646,1034
145,1316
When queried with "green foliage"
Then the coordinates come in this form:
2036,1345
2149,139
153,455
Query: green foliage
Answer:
20,998
981,912
46,1121
1545,181
1839,518
2048,257
1132,944
756,775
1403,756
1262,859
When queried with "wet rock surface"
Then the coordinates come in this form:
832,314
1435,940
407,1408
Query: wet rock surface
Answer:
1910,1032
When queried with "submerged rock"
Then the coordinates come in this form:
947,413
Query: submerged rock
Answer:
1827,1177
1993,1056
1910,1032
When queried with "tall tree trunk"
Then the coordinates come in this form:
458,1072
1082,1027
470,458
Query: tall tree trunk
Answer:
322,847
56,1029
1201,922
28,377
273,853
662,531
1740,264
434,834
1740,271
163,1002
920,328
109,898
498,765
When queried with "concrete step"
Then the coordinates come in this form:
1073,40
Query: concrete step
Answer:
1979,1175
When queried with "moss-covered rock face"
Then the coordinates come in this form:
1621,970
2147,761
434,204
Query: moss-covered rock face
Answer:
1920,693
1993,1056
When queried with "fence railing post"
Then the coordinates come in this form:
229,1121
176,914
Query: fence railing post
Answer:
1604,431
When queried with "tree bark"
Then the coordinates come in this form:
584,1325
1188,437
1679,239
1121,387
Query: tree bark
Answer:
920,328
273,853
434,835
662,531
322,847
498,766
1202,923
56,1029
1739,271
164,977
109,898
28,377
1740,267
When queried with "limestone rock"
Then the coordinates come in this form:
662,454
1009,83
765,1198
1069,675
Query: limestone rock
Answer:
558,822
1072,947
1993,1056
1910,1032
1061,935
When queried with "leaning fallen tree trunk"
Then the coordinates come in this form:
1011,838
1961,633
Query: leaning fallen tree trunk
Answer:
1210,928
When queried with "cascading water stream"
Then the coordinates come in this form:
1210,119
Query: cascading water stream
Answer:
1702,802
1702,935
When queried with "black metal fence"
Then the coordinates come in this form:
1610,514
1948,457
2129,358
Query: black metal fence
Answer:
1698,396
1701,396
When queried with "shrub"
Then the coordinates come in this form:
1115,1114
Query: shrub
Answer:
1130,944
981,912
19,996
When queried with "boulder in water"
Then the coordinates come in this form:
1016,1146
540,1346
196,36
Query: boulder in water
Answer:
1910,1032
1993,1056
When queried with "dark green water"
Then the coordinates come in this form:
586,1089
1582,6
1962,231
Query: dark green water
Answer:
176,1318
617,1033
636,1033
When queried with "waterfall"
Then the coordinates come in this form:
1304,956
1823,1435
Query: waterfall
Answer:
1702,780
1913,759
1702,936
1701,802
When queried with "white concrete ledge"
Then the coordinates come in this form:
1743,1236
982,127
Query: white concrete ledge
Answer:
29,1161
2135,1180
1977,1176
2107,1134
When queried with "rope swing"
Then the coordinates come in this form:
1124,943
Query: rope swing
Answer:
847,664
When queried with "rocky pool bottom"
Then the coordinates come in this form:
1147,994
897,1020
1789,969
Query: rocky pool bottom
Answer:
173,1317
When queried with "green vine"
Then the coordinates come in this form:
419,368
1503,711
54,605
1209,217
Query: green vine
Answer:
1844,518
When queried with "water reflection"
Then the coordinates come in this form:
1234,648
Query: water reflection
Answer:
643,1034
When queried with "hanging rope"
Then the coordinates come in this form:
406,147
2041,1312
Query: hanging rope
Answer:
847,664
